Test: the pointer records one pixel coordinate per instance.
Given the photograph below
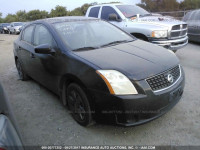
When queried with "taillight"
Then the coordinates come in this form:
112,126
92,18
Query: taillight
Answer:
2,148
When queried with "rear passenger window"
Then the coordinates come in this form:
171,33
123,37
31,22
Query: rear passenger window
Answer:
27,34
42,36
106,11
94,12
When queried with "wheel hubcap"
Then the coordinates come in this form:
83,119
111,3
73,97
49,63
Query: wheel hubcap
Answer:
76,105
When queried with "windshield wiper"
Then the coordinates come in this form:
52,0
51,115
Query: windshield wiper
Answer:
116,42
84,48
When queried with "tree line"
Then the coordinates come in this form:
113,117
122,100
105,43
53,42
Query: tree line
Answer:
150,5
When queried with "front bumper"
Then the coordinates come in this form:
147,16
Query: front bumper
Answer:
133,110
194,37
172,44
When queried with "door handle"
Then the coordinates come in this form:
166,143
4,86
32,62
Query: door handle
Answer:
32,55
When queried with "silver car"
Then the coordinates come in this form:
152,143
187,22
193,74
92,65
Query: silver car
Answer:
159,30
193,20
15,27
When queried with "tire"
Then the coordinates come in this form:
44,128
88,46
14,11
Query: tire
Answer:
22,75
78,105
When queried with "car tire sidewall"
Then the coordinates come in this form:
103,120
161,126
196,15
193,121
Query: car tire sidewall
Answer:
88,117
22,75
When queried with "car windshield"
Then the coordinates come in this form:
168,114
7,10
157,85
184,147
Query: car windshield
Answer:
18,24
90,34
5,24
131,11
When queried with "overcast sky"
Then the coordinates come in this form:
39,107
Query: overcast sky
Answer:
12,6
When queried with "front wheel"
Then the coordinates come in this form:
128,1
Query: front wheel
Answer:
79,105
22,75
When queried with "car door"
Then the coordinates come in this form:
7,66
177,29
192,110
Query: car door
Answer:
25,49
106,11
197,23
11,27
191,23
46,66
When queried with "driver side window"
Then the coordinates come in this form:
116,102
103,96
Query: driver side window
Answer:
106,11
43,36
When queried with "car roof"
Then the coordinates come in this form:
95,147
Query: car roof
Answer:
16,22
65,19
112,4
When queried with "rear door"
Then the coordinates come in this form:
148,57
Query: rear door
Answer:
25,49
192,23
197,23
46,66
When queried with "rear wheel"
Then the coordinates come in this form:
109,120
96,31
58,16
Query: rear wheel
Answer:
79,105
22,75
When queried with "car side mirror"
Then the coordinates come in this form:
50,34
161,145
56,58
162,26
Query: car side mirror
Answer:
113,17
44,49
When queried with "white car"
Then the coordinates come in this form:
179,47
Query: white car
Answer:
15,27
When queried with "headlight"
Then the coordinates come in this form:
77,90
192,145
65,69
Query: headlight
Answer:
117,83
5,28
159,34
172,52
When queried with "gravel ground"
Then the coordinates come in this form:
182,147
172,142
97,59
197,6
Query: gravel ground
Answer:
43,120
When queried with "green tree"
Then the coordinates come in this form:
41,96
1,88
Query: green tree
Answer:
190,4
1,19
79,11
159,5
36,14
58,11
21,15
10,18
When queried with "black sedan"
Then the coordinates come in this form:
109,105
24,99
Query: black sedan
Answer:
9,135
193,20
99,71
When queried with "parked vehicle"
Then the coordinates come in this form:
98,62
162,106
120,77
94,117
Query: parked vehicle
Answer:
193,20
98,70
14,27
4,28
160,30
9,135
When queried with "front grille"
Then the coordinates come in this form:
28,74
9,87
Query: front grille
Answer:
178,31
161,81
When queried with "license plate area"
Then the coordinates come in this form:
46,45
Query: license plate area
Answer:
176,94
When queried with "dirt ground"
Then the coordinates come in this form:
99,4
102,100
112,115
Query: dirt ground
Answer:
43,120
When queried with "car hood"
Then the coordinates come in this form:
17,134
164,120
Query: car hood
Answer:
137,60
17,27
160,20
